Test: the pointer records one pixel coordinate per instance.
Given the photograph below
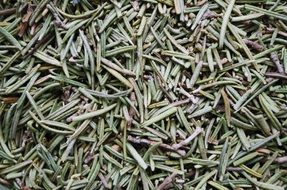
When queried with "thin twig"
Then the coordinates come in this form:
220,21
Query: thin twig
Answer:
167,181
275,59
254,45
149,142
190,138
281,160
104,181
7,11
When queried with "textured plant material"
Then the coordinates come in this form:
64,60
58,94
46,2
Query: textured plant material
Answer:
151,94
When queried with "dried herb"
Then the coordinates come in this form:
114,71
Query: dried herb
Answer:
152,94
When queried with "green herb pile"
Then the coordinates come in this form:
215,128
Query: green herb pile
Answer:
143,94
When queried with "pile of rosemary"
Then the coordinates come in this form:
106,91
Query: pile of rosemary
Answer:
143,94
